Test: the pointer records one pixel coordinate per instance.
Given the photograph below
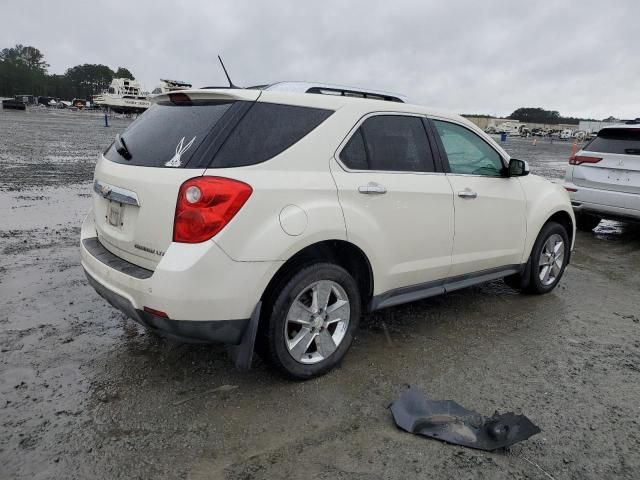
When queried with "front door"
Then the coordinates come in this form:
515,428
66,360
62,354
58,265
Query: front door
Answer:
490,208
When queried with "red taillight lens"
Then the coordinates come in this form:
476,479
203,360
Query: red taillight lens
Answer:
205,205
580,159
157,313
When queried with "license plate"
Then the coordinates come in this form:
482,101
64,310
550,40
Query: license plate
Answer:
115,214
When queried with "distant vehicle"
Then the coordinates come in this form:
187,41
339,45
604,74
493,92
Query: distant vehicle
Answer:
580,135
47,101
167,86
603,178
10,104
123,96
79,103
566,134
290,210
26,99
511,128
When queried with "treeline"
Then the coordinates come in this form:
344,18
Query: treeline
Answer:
23,70
540,115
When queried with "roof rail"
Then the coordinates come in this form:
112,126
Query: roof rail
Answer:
340,90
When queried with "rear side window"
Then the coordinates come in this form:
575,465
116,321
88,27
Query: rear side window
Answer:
389,143
267,130
168,134
616,140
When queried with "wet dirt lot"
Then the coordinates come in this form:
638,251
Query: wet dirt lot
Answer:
85,393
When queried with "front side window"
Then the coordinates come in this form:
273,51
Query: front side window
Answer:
389,143
467,152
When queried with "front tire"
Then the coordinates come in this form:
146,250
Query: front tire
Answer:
310,324
547,262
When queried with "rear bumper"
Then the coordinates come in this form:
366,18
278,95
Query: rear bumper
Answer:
214,331
207,296
604,203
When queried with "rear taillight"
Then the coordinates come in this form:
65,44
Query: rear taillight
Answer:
205,205
580,159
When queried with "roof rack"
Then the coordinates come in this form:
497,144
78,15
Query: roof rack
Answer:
339,90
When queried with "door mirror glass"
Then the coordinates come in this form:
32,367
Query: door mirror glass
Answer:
518,168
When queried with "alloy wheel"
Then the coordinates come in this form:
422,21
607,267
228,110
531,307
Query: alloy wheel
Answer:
317,322
551,259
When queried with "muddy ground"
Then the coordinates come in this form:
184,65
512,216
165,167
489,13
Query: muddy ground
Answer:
85,393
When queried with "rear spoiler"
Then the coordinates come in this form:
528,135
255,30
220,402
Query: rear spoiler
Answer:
229,94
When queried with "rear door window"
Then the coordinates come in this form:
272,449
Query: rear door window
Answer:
616,140
168,134
395,143
267,130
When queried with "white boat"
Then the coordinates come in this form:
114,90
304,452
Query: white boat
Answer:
123,96
167,86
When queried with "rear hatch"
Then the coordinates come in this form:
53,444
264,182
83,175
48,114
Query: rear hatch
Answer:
137,180
611,161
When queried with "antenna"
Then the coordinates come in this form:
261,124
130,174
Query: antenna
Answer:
231,85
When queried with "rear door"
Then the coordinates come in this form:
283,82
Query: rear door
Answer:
137,180
490,209
397,206
611,161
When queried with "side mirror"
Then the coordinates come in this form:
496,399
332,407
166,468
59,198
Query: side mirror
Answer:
518,168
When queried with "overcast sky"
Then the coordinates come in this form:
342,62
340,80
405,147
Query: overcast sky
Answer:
478,56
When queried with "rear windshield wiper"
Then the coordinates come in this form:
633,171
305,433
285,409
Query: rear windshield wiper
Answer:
121,147
632,151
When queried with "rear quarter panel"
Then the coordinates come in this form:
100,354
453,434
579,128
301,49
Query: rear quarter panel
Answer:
298,177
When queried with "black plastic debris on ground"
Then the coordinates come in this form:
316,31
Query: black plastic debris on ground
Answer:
447,421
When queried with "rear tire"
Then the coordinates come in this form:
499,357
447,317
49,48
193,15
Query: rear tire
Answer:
309,325
586,222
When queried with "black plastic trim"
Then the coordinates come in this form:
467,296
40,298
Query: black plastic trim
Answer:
420,291
187,331
100,253
207,150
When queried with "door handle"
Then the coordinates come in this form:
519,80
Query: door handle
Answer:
372,188
466,193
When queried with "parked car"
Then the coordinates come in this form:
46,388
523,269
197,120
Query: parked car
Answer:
278,216
566,134
603,179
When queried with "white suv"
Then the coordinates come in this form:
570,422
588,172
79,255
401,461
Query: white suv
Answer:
277,216
603,178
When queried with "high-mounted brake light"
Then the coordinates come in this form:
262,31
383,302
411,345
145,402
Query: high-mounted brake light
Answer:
205,205
580,159
179,98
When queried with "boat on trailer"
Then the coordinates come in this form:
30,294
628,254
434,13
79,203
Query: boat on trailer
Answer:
123,96
168,86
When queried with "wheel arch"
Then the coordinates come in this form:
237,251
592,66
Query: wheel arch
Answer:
340,252
559,215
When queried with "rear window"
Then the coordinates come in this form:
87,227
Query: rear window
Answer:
267,130
616,140
168,134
